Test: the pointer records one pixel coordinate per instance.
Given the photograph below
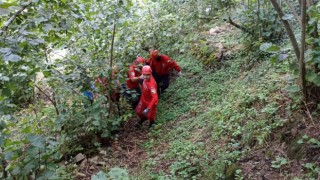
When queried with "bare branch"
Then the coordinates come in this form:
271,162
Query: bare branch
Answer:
49,98
13,17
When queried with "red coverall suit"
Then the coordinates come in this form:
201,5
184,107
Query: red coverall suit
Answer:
132,82
161,66
149,99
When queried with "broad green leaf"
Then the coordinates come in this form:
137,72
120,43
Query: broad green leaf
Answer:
265,46
6,5
49,174
293,89
29,167
99,176
47,74
118,173
273,59
37,140
273,48
317,80
27,130
8,155
16,170
5,50
311,76
287,17
282,57
12,58
4,78
96,123
4,12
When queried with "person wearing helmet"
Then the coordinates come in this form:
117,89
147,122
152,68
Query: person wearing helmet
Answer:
101,84
147,107
161,65
133,90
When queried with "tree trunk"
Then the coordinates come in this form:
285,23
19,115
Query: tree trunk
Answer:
301,61
288,28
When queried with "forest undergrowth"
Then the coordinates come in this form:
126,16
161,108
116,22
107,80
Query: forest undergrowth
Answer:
235,120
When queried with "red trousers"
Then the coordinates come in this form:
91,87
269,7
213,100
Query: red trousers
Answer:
151,116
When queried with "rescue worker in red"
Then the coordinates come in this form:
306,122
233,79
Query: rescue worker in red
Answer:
133,90
161,65
147,107
101,85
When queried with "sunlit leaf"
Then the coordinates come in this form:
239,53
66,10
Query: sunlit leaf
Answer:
282,57
4,78
12,58
265,46
5,50
293,89
287,17
4,12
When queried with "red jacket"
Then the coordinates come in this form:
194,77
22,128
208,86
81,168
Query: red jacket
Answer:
149,93
163,64
133,72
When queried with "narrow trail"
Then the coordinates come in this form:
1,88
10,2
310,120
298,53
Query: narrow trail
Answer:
124,152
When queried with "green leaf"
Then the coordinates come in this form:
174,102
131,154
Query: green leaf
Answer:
99,176
8,155
311,76
6,5
293,89
5,50
273,59
29,167
118,173
47,27
12,58
282,57
96,123
4,78
37,140
4,12
317,80
287,17
273,48
27,130
46,74
269,47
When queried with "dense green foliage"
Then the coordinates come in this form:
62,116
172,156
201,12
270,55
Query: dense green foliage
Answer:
51,50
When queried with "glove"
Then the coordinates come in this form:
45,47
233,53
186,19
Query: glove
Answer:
146,111
180,73
141,77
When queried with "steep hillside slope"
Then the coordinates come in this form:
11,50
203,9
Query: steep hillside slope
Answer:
231,121
228,119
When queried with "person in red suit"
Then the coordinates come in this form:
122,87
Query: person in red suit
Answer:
161,65
133,90
147,107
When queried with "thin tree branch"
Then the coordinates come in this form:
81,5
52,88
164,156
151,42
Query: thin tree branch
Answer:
238,26
302,65
288,28
51,100
294,12
13,17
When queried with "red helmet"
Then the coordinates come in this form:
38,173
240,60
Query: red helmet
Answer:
140,60
146,70
154,54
